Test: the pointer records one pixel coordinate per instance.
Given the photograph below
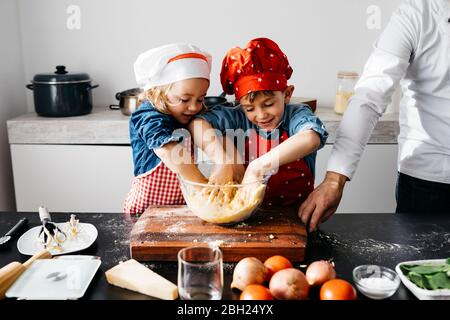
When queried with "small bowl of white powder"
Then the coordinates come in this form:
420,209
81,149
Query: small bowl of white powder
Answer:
376,282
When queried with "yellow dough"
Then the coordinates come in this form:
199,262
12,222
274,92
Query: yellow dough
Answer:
226,204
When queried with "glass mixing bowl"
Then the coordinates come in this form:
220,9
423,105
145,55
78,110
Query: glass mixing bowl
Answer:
223,204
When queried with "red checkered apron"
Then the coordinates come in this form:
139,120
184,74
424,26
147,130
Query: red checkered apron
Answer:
160,186
291,184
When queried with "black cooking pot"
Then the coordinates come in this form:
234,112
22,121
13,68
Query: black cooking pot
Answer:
211,101
62,94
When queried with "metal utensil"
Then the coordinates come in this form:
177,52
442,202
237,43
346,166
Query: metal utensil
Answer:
13,231
49,228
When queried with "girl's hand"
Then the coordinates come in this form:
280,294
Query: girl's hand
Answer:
224,175
192,173
227,173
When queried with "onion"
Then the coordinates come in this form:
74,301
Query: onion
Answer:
248,271
320,272
289,284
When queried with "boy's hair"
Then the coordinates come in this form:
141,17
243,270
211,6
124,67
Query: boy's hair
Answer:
255,94
158,97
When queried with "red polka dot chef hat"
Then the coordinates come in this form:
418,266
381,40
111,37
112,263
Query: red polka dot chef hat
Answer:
261,65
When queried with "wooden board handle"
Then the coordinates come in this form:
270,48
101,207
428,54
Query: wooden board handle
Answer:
8,269
8,275
12,271
40,255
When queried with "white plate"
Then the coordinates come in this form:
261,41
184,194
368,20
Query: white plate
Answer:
422,294
29,243
55,279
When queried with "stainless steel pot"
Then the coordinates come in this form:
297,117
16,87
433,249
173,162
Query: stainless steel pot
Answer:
128,101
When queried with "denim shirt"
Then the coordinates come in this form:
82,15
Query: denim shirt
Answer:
150,129
296,118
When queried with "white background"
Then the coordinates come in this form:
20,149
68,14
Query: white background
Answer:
320,37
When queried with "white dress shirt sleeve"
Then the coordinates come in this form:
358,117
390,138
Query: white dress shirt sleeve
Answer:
387,65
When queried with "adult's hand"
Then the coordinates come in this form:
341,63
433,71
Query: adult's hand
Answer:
323,201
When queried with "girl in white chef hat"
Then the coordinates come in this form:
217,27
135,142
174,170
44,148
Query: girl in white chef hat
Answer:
175,79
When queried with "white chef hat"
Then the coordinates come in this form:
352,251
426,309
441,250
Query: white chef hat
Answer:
171,63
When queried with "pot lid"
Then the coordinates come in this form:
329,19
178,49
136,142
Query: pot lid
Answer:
131,92
60,76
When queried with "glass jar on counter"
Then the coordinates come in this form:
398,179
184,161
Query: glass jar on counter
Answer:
345,89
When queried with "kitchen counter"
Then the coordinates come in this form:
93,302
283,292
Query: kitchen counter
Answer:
93,151
109,127
351,240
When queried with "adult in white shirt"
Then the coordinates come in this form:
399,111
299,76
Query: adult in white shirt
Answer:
413,50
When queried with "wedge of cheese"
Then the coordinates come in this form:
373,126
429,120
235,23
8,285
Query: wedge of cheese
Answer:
134,276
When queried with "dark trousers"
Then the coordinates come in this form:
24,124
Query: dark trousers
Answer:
420,196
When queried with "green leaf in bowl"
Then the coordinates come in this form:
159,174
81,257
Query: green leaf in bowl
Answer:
430,277
419,280
427,269
439,281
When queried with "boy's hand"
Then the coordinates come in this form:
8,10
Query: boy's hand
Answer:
226,173
253,173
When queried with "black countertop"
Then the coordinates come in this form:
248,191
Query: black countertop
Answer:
350,239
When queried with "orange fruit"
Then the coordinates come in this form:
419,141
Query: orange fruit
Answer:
256,292
276,263
337,289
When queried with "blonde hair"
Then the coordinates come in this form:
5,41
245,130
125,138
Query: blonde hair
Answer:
158,97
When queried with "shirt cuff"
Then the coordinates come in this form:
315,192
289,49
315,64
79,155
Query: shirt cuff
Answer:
342,164
161,142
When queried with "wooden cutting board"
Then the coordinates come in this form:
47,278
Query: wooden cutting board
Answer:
161,232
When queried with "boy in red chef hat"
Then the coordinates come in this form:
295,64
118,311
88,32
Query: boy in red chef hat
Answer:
281,139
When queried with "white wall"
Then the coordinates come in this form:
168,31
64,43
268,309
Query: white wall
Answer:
372,189
12,93
320,37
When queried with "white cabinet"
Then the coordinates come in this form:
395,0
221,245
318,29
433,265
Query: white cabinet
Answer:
95,178
71,178
372,189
